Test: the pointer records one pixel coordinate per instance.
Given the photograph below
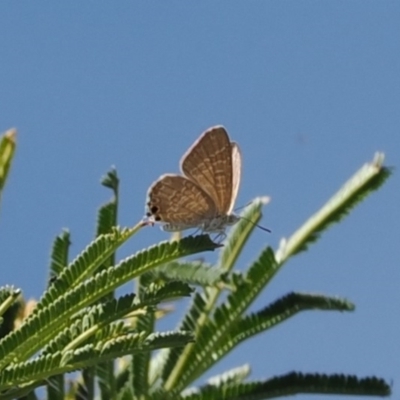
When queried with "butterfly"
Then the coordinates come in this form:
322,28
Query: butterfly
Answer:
204,195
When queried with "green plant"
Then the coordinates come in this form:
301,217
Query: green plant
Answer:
80,325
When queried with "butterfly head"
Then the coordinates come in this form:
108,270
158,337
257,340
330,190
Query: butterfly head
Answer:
152,213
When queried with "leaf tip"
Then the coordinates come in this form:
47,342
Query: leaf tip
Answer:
11,134
378,159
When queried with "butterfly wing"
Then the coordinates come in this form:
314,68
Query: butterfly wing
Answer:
209,164
236,173
176,200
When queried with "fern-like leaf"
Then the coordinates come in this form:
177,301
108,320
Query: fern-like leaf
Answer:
240,233
85,264
48,321
11,305
93,319
274,314
291,384
7,150
167,359
107,219
55,387
59,254
193,272
111,180
45,366
214,330
233,376
368,179
123,345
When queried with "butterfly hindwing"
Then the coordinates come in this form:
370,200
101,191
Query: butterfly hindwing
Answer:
174,199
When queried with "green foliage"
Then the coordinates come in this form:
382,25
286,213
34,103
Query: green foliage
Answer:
79,324
368,179
59,254
7,150
290,384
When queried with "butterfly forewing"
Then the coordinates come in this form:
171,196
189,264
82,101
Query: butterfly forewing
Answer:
236,174
174,199
208,163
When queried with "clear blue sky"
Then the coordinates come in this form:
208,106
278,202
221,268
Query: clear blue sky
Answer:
310,90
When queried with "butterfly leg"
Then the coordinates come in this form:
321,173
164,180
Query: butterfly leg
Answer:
221,236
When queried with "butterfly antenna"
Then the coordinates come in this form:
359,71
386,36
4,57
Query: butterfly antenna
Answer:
258,226
241,207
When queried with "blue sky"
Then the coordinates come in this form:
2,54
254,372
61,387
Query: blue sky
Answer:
310,90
